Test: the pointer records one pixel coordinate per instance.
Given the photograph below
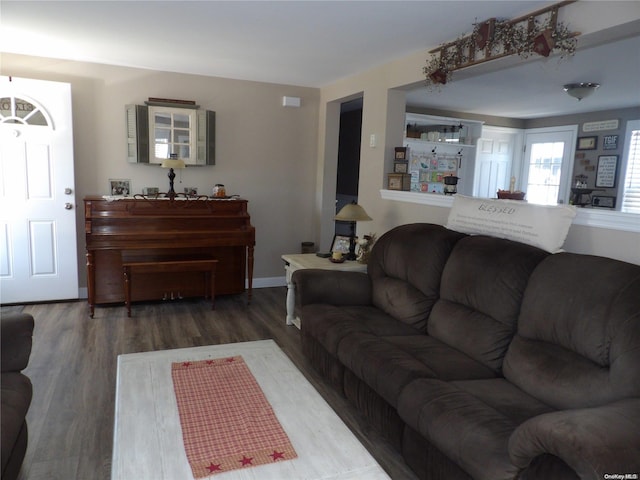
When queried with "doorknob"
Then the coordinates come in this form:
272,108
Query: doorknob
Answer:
68,206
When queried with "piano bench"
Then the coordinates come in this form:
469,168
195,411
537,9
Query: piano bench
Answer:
151,264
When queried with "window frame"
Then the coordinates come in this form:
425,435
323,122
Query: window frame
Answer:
154,110
632,125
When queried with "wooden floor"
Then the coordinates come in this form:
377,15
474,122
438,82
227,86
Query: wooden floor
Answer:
73,371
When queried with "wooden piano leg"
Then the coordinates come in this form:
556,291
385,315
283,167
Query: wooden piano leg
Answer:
91,283
212,284
250,272
127,288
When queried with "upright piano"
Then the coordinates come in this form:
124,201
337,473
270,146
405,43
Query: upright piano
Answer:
166,228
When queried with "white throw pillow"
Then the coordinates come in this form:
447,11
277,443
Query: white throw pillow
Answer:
542,226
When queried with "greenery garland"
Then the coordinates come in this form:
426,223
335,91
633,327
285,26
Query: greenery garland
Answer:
506,38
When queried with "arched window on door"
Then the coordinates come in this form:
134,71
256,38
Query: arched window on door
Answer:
16,110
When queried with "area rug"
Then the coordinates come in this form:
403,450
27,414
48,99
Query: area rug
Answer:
227,422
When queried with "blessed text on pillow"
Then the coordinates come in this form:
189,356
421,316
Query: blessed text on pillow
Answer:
542,226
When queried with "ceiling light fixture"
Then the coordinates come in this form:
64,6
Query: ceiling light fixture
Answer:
580,90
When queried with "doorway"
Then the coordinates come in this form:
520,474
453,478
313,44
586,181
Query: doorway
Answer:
38,247
348,171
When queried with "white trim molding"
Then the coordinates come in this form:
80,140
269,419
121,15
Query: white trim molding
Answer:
588,217
433,199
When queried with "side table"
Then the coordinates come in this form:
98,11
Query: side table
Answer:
300,261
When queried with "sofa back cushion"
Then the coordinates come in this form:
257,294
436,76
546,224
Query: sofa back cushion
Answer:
482,287
405,267
578,339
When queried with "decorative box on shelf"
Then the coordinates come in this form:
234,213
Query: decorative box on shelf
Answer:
401,166
399,181
402,153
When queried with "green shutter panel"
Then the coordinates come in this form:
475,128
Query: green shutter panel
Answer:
206,138
137,120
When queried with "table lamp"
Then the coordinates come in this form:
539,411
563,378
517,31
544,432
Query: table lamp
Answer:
352,212
171,163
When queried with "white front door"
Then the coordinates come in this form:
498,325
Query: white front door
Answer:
547,164
38,253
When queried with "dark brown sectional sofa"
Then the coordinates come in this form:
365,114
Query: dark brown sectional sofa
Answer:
16,331
484,358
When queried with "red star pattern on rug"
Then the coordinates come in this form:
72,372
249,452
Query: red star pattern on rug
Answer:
186,364
214,468
277,455
231,359
209,362
246,461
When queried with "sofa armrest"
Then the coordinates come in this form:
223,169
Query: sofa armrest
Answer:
332,287
592,441
16,331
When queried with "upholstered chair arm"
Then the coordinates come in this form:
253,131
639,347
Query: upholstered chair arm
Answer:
592,441
331,287
16,330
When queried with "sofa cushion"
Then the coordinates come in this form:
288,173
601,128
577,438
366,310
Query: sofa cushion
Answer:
329,324
578,339
387,364
405,267
482,287
470,421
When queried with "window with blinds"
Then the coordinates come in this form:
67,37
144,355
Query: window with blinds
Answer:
631,186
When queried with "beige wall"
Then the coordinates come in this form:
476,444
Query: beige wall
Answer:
383,115
264,152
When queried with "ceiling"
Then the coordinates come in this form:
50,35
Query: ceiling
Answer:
533,89
312,43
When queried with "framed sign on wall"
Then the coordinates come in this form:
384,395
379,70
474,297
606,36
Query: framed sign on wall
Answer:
587,143
606,172
610,142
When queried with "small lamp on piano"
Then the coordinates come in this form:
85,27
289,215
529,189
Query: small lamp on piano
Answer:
172,162
352,212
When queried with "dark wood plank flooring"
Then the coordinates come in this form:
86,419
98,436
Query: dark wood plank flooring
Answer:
73,371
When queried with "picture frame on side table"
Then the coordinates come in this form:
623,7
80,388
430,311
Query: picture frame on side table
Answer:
341,243
119,187
587,143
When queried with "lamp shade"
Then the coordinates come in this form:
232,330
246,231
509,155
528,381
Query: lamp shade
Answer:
352,212
173,163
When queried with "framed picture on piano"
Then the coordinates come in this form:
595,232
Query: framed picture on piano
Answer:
119,187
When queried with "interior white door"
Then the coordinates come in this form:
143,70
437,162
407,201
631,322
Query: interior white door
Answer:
495,155
38,248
